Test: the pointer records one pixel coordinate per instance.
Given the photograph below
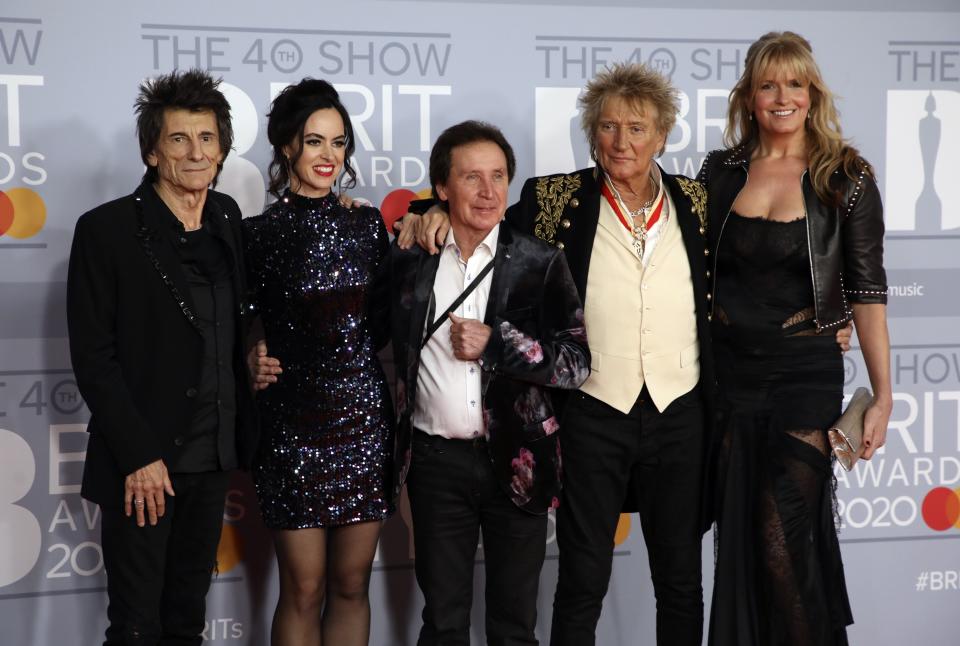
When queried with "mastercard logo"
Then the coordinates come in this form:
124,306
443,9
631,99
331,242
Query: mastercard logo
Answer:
22,213
941,509
394,205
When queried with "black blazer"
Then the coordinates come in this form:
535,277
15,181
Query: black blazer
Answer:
538,342
134,341
564,210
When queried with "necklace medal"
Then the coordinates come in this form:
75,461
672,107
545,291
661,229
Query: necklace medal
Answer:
639,229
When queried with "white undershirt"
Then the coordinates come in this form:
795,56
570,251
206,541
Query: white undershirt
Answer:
448,401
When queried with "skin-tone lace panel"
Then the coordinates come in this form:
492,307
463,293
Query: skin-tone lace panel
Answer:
789,616
793,620
804,315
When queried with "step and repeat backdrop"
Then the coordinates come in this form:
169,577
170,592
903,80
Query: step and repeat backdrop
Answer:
406,70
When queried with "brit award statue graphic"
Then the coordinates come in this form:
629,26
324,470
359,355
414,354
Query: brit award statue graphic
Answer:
929,209
578,141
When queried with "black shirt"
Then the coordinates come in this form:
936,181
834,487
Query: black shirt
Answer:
209,443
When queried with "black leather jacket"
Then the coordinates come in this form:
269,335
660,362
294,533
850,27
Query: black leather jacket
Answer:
845,242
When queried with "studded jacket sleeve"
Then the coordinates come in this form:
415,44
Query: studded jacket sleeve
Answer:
864,279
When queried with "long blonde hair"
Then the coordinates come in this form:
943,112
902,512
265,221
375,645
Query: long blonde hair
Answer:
827,150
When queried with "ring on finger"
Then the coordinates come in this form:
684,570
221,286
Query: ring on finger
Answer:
138,502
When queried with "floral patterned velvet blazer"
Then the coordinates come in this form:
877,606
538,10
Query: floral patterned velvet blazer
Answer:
538,342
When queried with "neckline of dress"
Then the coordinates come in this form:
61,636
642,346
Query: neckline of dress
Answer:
763,219
295,199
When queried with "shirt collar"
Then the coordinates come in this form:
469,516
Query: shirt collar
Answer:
490,242
167,216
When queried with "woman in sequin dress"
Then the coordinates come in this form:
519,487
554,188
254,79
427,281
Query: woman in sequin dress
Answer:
796,231
321,474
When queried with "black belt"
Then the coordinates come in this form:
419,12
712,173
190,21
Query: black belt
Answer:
439,442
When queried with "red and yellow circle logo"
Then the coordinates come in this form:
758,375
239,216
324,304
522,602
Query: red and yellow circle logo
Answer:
941,509
394,205
22,213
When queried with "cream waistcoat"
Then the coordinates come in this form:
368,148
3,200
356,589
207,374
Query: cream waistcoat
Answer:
641,321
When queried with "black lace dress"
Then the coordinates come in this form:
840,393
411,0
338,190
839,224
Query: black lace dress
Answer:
779,578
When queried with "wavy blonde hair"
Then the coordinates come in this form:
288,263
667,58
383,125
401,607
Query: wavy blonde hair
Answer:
827,150
636,83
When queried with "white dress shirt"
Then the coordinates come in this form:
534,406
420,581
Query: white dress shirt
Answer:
448,401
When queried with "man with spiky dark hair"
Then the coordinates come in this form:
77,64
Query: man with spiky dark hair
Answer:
156,329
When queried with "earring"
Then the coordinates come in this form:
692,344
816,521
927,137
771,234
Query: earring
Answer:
809,116
750,116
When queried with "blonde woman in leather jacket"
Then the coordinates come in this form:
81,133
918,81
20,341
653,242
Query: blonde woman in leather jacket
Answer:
796,239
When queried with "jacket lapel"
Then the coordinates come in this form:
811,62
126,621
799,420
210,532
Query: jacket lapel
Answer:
578,239
499,285
156,244
424,273
692,228
499,289
219,226
218,221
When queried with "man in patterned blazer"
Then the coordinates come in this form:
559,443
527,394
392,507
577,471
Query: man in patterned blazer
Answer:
636,436
477,437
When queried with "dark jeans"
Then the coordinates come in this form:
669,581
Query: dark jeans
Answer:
158,576
658,458
454,496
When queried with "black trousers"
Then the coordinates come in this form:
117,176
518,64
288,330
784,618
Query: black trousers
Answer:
658,456
454,496
158,576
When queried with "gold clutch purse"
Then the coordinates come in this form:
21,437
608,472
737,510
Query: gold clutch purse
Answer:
846,434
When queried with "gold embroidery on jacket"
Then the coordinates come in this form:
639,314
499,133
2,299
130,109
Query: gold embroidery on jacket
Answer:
553,194
698,198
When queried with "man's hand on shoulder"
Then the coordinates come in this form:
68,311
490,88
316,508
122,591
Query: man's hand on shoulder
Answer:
843,337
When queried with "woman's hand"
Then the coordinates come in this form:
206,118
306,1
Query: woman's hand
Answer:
263,369
875,427
348,202
871,323
428,230
432,229
406,229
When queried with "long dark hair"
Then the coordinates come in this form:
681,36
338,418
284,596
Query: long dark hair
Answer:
286,120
